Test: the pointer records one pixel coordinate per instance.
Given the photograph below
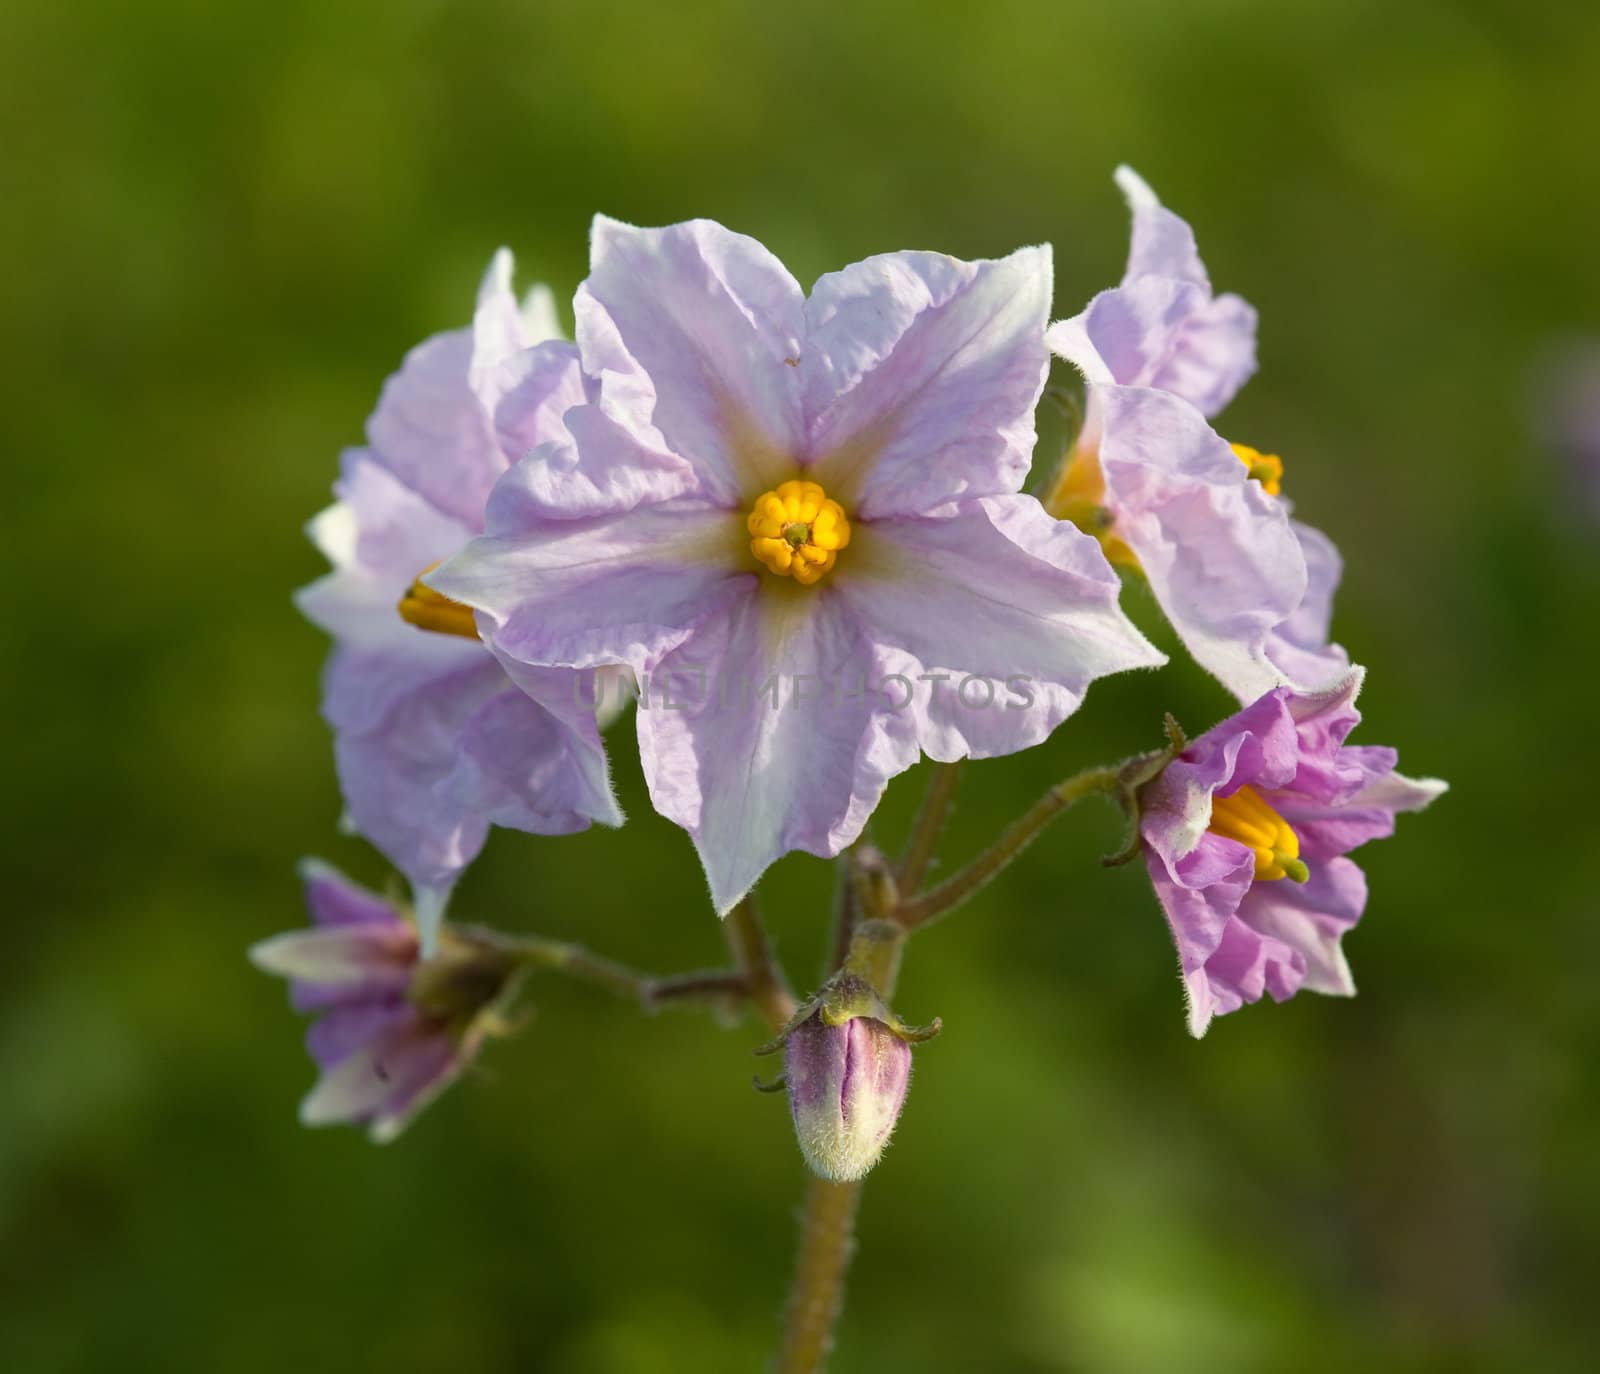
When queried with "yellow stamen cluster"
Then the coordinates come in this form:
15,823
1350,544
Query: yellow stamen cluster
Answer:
796,531
1266,468
428,610
1247,818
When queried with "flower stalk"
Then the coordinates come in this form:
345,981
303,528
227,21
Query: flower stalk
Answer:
928,827
816,1293
765,984
939,901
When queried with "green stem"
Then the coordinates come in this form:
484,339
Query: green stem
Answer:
846,912
577,962
928,826
764,980
939,901
816,1293
718,987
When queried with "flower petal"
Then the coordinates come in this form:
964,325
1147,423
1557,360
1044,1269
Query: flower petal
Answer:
1311,918
620,588
347,954
998,616
334,900
773,739
417,1073
337,1035
356,1087
921,375
531,759
378,535
457,752
693,332
433,434
1299,647
1217,550
1162,243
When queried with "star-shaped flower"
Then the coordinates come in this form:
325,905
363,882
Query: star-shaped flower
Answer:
800,517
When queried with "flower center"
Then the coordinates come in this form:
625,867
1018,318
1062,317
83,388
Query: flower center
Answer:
796,531
1266,468
428,610
1080,496
1246,818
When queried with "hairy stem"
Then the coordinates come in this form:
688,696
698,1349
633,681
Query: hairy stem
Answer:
941,900
928,826
752,952
718,986
846,912
816,1293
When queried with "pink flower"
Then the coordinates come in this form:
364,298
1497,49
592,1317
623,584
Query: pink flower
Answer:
1245,835
394,1030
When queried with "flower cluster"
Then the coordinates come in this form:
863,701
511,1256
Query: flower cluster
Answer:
725,478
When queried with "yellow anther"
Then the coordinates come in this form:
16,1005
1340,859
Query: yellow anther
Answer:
796,531
1246,818
1080,496
1266,468
428,610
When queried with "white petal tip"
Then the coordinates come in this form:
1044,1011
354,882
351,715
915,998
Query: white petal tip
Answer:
1135,188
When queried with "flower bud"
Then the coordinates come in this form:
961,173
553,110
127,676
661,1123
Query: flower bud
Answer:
847,1084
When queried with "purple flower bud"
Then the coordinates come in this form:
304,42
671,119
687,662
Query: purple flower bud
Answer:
847,1084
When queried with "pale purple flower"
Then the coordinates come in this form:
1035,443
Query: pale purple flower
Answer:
1245,835
846,1084
1249,590
394,1031
803,672
434,739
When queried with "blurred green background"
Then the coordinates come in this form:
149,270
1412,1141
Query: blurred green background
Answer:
221,228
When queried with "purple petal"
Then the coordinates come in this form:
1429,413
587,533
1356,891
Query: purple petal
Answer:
1210,355
1299,647
1200,893
417,1072
334,900
1220,557
621,588
531,758
1015,611
775,739
1246,964
1161,327
457,752
433,434
529,395
344,1029
694,333
1162,243
1258,747
1311,918
355,1088
501,329
921,375
379,535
